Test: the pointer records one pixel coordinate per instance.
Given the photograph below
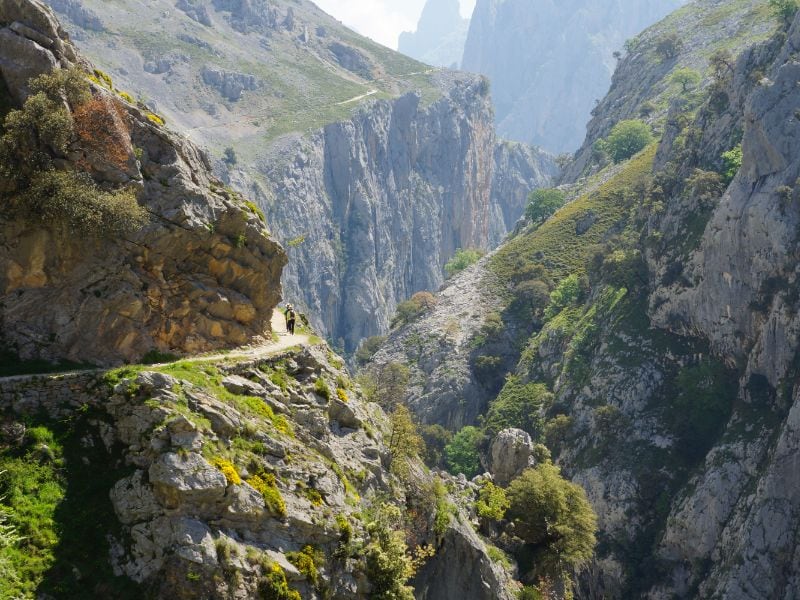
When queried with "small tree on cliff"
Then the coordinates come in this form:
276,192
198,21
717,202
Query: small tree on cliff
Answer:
543,203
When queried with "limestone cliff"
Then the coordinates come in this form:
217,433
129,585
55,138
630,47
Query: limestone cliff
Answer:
371,198
201,273
373,208
660,353
548,62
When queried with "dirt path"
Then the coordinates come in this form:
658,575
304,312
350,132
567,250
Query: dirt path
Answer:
269,348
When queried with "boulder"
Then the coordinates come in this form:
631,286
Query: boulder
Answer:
510,454
186,481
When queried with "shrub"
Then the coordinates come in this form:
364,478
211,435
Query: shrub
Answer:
230,156
410,309
567,293
462,454
273,585
155,119
785,10
518,405
461,260
101,128
669,46
731,163
228,469
266,485
543,203
341,393
74,200
555,519
492,502
307,561
389,565
322,389
626,139
436,438
368,348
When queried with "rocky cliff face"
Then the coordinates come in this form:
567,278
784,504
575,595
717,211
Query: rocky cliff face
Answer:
440,35
738,291
642,85
201,274
549,62
372,204
372,208
673,370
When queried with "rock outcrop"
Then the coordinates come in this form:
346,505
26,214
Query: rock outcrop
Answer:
510,453
548,62
201,274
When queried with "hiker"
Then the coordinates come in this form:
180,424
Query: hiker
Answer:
290,320
286,314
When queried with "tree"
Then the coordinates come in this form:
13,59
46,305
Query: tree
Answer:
554,518
687,78
461,260
405,444
543,203
410,309
721,64
492,502
390,383
368,348
462,452
230,156
669,46
785,10
627,138
436,439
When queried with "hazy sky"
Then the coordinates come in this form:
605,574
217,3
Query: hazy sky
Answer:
382,20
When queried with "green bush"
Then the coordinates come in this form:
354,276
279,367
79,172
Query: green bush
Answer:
543,203
273,585
554,518
368,348
436,439
410,309
492,502
567,293
518,405
322,389
462,453
731,163
388,563
784,9
31,136
266,485
626,139
308,561
461,260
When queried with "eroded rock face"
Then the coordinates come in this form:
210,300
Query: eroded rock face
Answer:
201,274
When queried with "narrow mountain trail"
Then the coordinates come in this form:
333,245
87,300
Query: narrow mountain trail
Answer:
268,348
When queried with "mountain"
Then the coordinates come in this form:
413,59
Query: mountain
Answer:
260,471
549,62
440,35
345,145
647,330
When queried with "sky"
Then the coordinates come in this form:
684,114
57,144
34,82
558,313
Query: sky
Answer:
382,20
